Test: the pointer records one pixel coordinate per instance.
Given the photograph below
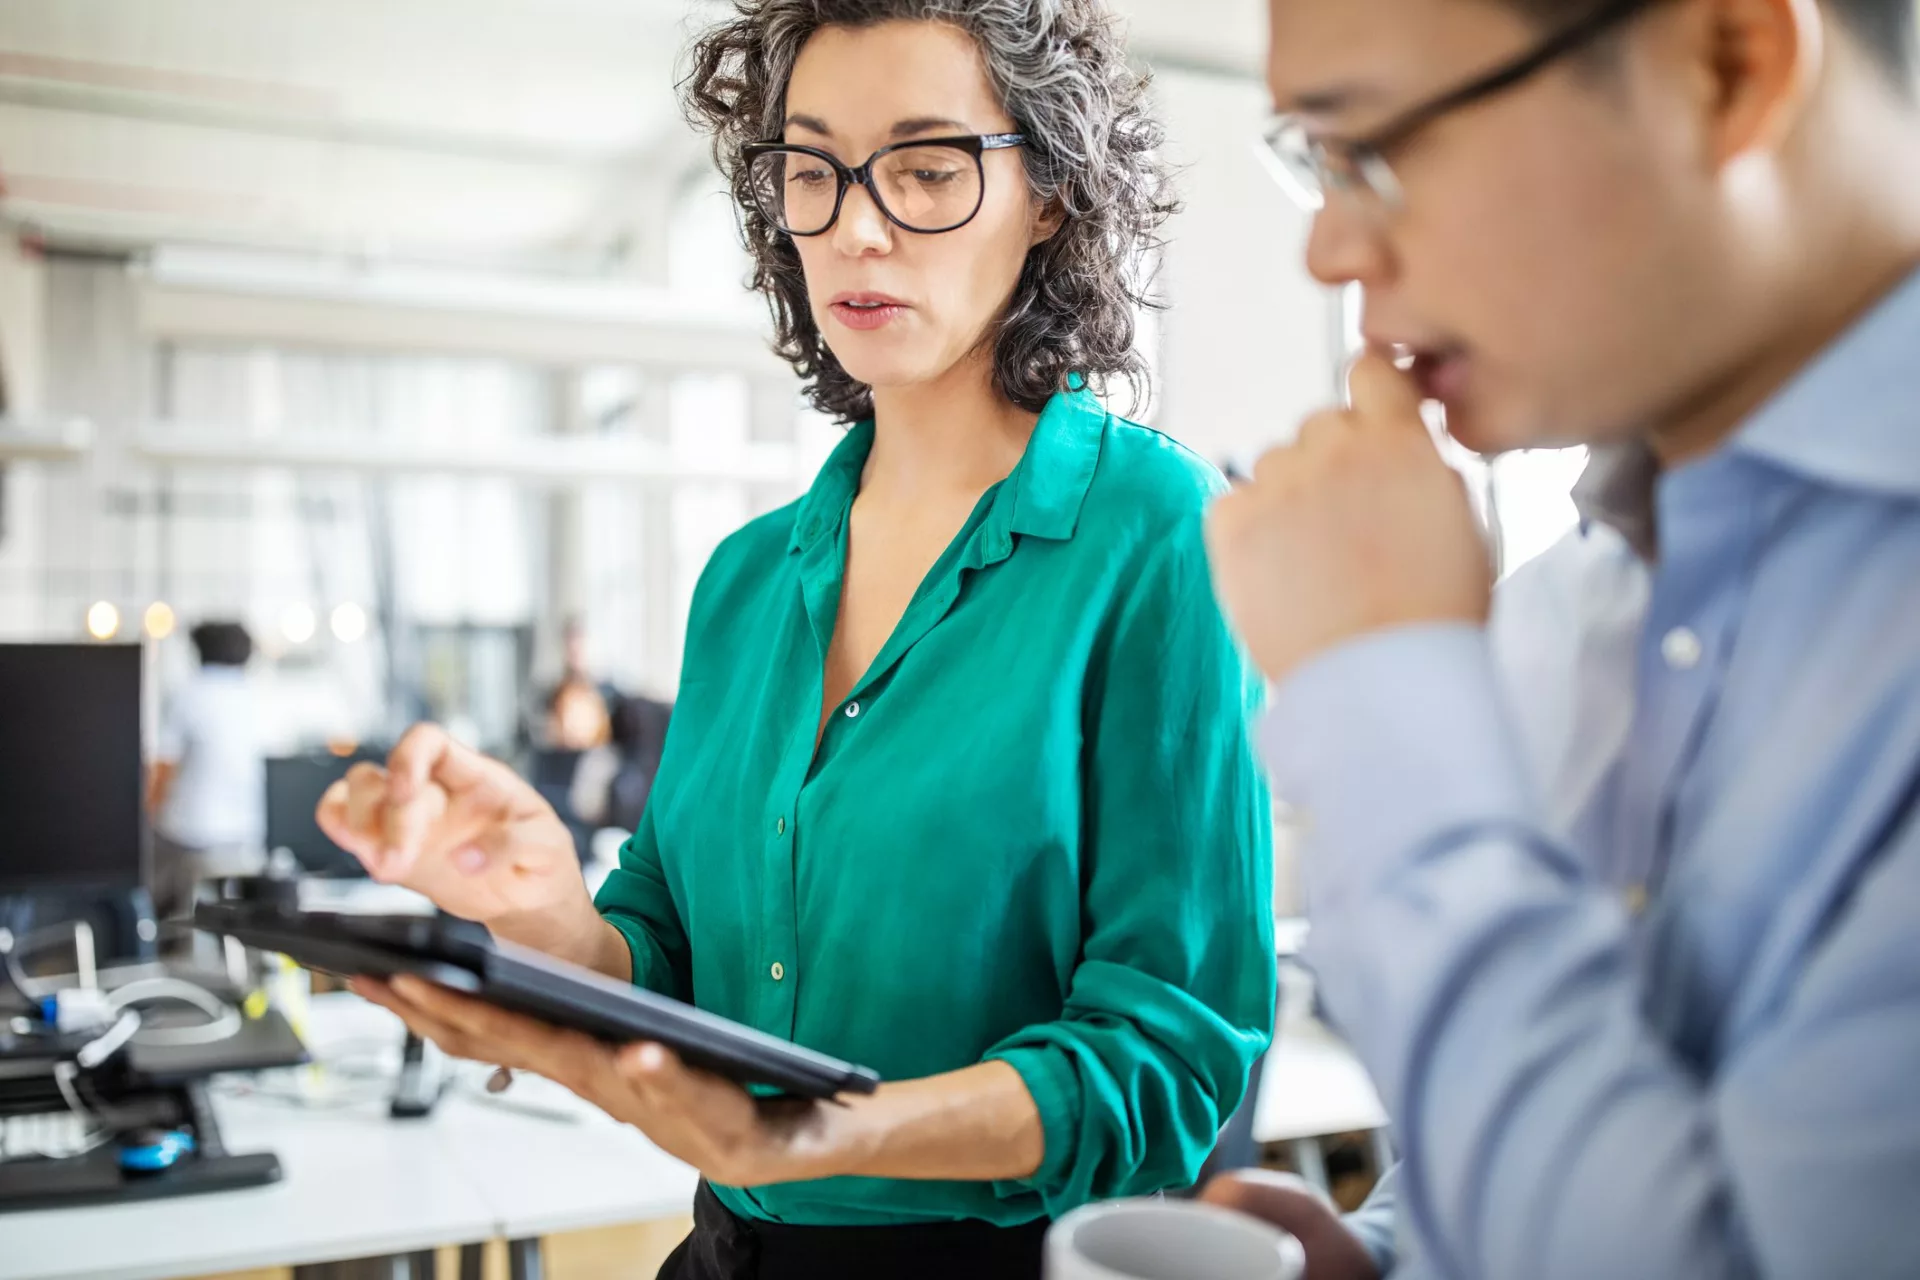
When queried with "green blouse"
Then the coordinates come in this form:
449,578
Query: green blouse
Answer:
1035,831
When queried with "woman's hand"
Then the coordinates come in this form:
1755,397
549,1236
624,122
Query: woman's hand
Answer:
712,1124
471,835
1290,1203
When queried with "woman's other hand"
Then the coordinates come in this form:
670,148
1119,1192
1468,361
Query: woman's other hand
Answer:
712,1124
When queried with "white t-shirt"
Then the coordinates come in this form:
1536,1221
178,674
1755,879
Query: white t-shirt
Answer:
211,734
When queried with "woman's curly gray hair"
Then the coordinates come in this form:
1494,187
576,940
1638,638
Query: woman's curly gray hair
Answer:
1092,151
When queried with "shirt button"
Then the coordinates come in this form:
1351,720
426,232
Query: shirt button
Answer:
779,971
779,826
853,710
1635,896
1681,648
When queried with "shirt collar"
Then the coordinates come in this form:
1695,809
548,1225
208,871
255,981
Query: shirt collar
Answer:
1042,497
1616,489
1851,419
824,505
1848,419
1048,487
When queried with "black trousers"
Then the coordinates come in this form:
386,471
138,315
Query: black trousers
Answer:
726,1247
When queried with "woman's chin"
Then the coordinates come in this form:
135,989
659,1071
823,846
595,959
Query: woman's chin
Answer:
887,375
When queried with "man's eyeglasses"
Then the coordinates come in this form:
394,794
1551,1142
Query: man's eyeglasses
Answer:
929,186
1309,167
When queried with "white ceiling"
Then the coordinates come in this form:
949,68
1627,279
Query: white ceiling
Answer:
534,132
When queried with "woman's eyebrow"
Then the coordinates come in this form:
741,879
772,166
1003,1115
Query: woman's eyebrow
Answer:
927,124
901,129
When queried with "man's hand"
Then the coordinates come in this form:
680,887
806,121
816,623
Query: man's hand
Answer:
1333,1252
1356,527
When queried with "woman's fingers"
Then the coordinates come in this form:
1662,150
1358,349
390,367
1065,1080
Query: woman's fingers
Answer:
516,843
408,830
336,822
451,1040
366,798
349,813
428,1019
651,1067
427,755
417,802
722,1110
445,797
696,1116
414,757
492,1034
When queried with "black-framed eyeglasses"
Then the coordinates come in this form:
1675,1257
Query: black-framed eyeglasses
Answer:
1309,167
929,185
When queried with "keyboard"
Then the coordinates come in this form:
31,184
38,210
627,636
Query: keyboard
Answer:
52,1135
92,1175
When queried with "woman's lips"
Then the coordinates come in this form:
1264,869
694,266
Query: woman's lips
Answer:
869,316
863,309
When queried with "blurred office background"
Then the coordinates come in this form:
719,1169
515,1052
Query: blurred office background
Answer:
406,332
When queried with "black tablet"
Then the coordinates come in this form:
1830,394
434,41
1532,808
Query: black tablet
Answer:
464,956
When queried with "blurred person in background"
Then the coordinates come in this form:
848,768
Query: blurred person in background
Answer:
1615,877
960,784
577,718
611,783
579,709
207,787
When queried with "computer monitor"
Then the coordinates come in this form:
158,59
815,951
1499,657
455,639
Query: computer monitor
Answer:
70,776
294,787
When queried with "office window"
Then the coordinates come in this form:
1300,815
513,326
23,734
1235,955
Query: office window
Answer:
353,577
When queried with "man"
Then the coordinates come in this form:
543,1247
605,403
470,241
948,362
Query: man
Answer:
208,789
1618,896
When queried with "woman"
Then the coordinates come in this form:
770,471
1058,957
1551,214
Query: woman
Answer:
959,782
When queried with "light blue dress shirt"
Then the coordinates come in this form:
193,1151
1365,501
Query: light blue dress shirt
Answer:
1619,898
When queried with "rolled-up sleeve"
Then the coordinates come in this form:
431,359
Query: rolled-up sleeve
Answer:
1173,997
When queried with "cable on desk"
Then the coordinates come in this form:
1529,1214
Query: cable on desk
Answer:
15,975
356,1062
223,1022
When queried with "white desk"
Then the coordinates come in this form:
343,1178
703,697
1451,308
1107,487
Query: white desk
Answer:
1313,1086
359,1184
355,1185
544,1177
542,1160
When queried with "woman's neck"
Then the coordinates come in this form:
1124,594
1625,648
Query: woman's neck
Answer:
953,435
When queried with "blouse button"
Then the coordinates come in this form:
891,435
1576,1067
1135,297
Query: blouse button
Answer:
1681,648
853,710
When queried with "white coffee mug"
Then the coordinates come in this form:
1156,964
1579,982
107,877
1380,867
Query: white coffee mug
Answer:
1169,1240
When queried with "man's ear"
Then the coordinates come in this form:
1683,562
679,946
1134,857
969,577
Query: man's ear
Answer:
1761,60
